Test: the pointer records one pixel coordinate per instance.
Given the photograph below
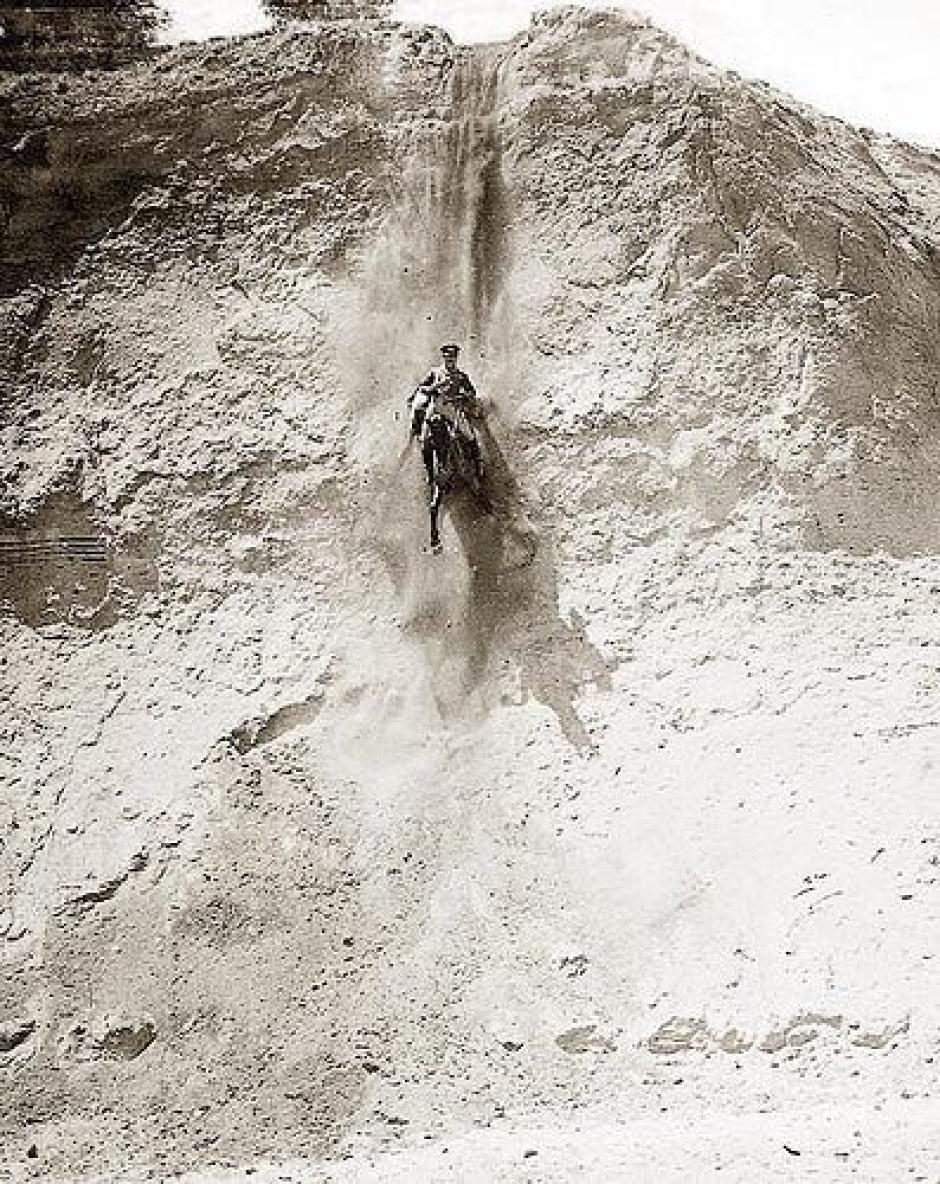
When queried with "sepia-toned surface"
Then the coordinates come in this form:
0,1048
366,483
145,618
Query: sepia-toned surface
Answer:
611,833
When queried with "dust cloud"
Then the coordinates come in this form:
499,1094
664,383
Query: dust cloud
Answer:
489,607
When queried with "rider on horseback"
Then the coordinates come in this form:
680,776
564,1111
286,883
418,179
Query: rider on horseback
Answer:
451,393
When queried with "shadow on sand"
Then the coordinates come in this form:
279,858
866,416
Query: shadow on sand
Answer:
487,609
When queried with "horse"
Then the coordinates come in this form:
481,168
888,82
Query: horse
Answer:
452,462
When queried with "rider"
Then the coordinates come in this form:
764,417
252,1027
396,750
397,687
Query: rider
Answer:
454,395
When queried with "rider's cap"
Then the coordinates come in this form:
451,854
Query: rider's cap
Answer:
448,349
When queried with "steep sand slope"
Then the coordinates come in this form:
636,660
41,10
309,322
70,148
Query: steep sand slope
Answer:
610,834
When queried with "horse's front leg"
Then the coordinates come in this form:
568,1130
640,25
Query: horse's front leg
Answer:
435,516
434,506
435,491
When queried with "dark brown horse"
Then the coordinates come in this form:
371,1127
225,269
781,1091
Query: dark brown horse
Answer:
452,462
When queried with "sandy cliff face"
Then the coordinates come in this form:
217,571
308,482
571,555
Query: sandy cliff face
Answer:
613,822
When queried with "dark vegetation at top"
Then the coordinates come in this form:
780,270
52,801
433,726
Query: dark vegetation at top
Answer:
78,35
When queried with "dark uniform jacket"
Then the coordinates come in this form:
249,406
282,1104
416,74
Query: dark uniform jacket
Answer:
452,387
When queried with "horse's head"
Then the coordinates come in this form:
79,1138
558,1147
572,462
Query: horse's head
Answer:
438,427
